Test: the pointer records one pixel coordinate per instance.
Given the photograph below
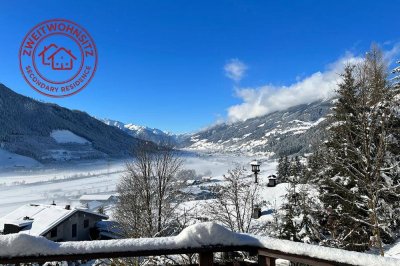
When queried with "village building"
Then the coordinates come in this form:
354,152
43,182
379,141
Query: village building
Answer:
192,182
56,223
206,178
104,199
272,181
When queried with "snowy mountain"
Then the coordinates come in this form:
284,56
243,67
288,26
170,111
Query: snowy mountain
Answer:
145,133
292,131
48,132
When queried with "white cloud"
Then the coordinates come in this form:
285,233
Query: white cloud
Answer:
235,69
269,98
390,55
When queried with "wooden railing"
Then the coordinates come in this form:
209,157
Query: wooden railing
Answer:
205,239
266,257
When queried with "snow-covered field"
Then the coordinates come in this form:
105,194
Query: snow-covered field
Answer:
62,185
9,160
66,136
394,250
65,183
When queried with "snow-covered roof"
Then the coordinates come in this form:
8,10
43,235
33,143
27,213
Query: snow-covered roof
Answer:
190,182
42,217
96,197
93,205
19,223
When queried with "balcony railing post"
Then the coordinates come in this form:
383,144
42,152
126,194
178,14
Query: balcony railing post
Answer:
206,259
266,261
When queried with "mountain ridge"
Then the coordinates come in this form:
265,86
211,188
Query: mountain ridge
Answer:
287,132
27,126
155,135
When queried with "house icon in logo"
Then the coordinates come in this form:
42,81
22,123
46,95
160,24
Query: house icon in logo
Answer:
62,59
58,58
48,50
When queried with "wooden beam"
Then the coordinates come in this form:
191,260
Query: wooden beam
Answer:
295,258
204,252
266,261
206,259
124,254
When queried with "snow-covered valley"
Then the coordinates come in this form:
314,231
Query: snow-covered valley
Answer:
65,183
62,185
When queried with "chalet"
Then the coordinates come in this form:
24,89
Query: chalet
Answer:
56,223
102,198
105,198
206,178
192,182
95,202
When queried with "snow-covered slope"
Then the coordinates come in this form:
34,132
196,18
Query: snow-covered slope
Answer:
287,132
12,160
66,136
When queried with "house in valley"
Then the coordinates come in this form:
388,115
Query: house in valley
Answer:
103,198
94,202
56,223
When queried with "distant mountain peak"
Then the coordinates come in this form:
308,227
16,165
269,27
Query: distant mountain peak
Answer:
145,133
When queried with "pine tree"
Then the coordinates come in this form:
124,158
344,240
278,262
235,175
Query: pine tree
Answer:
298,166
290,208
342,211
396,78
283,169
280,169
300,211
315,165
309,228
290,211
359,189
295,167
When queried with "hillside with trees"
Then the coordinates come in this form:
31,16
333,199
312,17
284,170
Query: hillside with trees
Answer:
27,124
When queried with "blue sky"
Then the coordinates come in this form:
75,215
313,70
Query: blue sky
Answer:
164,63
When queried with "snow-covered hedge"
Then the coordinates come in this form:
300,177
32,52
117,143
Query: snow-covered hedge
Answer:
199,235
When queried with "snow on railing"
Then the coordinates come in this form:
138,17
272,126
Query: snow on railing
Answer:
208,237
